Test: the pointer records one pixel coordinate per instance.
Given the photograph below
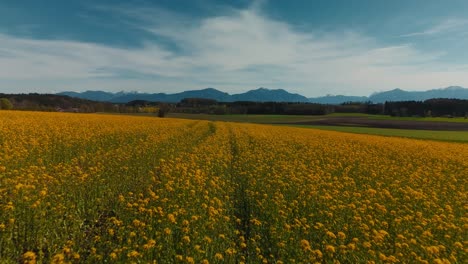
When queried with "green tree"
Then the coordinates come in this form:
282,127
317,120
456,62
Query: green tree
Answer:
163,110
5,104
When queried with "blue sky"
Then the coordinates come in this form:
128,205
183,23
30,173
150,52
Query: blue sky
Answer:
311,47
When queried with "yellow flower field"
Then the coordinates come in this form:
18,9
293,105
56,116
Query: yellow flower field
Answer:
85,188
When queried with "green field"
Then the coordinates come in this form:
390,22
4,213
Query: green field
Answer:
457,136
387,117
424,119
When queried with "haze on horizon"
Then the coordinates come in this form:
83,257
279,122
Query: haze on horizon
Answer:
308,47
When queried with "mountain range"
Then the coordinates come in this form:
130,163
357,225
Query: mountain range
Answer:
258,95
272,95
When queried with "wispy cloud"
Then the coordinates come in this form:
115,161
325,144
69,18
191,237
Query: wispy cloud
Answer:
236,51
446,26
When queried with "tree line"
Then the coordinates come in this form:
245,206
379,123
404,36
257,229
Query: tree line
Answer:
51,102
432,107
60,103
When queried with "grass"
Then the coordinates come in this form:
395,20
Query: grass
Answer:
423,119
456,136
268,119
387,117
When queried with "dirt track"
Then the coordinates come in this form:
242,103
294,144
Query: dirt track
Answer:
383,123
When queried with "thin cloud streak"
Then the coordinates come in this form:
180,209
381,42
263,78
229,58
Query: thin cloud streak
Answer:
449,25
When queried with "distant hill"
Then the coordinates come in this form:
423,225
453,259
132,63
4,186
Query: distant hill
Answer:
272,95
259,95
267,95
338,99
90,95
452,92
394,95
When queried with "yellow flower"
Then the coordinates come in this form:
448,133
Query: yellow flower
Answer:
133,254
219,256
29,257
441,261
305,245
458,245
137,223
331,235
113,255
207,239
186,239
330,249
230,251
58,259
171,218
341,235
434,250
317,254
150,244
256,222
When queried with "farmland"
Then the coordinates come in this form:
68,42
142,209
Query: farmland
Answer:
86,188
455,136
269,119
431,128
